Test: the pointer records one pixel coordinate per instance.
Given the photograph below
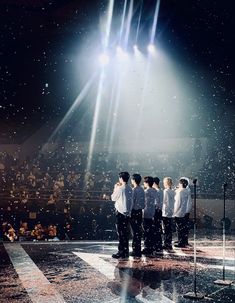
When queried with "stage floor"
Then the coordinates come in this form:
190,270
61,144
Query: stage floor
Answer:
58,272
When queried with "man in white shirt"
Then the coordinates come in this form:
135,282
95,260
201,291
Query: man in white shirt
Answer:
167,212
180,211
189,208
122,195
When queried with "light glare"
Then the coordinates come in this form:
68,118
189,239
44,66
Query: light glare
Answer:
120,52
104,59
151,48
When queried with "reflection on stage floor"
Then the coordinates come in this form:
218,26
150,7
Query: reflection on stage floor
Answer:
85,272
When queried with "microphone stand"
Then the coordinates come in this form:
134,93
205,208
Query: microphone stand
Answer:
194,295
223,281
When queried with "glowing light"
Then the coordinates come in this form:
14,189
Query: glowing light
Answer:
128,23
108,24
120,52
151,48
138,25
103,59
95,120
84,92
123,20
154,26
137,54
135,47
119,49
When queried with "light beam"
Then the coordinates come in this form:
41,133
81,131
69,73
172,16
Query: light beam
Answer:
138,25
128,25
84,92
104,59
154,26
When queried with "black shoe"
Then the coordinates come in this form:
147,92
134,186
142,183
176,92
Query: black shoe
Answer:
160,249
180,245
134,255
118,255
145,251
158,253
167,247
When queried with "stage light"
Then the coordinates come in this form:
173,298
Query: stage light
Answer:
135,47
103,59
120,52
151,48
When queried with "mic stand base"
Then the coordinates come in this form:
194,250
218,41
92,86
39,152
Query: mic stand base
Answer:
194,296
223,282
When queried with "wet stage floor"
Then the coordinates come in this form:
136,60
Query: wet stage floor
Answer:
61,272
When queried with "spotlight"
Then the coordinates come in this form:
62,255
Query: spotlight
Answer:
104,59
120,52
151,48
135,46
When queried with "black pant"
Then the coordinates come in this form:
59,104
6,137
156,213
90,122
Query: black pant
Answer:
158,230
167,224
122,223
136,226
148,225
187,222
181,226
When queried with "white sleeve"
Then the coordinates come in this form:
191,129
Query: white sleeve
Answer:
124,201
165,198
116,194
189,204
177,203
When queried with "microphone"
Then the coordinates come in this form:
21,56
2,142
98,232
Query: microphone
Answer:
194,181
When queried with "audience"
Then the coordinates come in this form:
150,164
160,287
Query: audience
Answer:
47,186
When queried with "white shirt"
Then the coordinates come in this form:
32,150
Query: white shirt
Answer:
181,203
122,195
138,198
190,203
159,199
168,203
149,209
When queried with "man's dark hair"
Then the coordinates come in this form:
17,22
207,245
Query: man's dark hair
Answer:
124,175
149,180
184,182
137,178
156,180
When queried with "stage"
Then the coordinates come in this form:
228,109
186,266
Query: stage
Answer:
85,272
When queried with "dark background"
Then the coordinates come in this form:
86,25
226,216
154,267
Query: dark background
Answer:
40,40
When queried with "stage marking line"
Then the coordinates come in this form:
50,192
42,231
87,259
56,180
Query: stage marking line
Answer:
232,268
181,253
107,269
216,247
39,289
99,264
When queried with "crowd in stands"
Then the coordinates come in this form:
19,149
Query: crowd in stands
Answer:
44,189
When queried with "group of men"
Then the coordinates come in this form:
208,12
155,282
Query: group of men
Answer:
150,211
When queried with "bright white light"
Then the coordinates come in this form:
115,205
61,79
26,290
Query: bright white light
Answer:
151,48
104,59
120,52
119,49
135,47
